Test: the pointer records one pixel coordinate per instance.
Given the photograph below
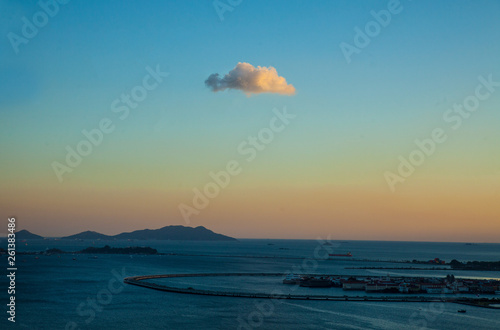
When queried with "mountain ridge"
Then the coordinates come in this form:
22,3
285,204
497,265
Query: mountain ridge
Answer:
173,232
88,234
24,234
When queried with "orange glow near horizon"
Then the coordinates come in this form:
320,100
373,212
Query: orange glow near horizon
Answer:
343,212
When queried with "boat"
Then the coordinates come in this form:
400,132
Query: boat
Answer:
292,279
462,311
348,254
313,282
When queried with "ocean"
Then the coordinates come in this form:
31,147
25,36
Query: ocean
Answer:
82,292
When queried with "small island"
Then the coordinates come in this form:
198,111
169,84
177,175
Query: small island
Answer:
127,250
144,250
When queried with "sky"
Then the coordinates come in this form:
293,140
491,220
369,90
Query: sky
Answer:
359,81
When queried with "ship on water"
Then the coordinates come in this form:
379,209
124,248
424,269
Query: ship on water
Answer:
292,279
348,254
313,282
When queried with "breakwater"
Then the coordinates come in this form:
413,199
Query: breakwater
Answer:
142,282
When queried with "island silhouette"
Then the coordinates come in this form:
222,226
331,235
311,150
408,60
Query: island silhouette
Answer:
175,233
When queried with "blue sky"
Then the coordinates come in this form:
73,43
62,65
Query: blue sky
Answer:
65,79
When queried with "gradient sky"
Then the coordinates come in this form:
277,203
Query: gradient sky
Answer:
323,175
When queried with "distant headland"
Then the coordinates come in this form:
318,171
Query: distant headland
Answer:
174,233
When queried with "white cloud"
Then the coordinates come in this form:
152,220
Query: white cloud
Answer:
251,80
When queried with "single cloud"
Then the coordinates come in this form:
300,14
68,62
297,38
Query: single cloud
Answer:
250,80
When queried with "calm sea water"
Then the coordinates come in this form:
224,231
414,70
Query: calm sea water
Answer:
57,292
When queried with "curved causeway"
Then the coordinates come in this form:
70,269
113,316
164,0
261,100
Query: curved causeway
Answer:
276,294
